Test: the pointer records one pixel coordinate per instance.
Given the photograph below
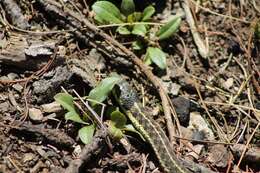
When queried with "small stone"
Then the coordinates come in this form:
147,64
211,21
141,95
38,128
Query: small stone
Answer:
196,150
4,107
35,114
62,50
219,156
51,107
77,151
175,89
12,76
151,165
18,87
171,88
182,107
28,157
228,83
50,116
4,78
41,152
199,123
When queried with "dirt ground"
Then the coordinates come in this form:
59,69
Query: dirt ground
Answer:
212,80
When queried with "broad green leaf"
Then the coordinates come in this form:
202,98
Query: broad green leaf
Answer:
134,17
148,12
118,119
107,12
115,133
139,29
169,28
99,20
137,45
147,60
74,116
101,91
157,56
86,134
130,128
65,100
127,7
123,30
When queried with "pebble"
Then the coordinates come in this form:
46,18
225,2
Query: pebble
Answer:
182,107
175,89
35,115
12,76
4,78
4,107
228,83
41,152
18,87
51,107
28,157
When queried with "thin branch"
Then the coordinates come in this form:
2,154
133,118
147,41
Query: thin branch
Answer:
202,48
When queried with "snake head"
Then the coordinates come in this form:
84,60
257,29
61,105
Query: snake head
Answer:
126,95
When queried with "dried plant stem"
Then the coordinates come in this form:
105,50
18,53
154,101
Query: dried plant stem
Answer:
202,48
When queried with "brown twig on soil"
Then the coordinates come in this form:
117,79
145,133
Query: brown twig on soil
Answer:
36,74
252,154
247,144
218,14
119,48
14,164
255,6
95,148
53,136
220,132
202,48
251,65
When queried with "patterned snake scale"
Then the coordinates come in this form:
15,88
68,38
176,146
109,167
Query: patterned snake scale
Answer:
151,131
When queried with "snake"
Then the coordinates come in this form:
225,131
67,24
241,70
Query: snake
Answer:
129,102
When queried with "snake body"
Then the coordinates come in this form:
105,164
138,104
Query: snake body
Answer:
151,131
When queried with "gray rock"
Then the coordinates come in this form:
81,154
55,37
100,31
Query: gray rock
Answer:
4,107
12,76
28,157
18,87
51,107
35,114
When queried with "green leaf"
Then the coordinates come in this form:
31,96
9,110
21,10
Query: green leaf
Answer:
74,116
86,134
157,56
65,100
137,45
134,17
123,30
127,7
130,128
118,119
169,28
147,60
139,29
107,12
101,91
148,12
100,20
114,132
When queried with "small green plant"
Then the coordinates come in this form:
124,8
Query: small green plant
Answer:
130,22
117,121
